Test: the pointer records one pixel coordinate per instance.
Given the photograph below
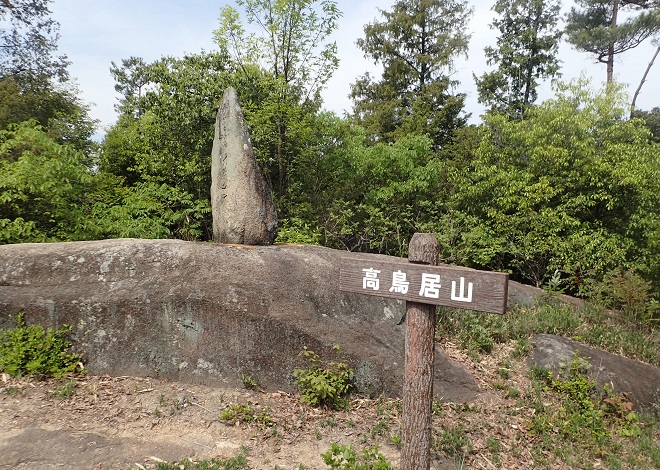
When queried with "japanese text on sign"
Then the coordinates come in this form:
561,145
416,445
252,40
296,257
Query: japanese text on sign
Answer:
430,285
438,285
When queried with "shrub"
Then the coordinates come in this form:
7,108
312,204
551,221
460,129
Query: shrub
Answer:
29,350
629,293
324,384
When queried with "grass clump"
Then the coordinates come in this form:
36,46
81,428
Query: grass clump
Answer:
29,350
344,457
477,333
244,413
234,463
324,383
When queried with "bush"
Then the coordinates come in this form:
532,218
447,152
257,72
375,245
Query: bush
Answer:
629,293
29,350
324,384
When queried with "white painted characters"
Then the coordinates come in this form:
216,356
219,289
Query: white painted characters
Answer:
399,282
461,297
429,287
370,280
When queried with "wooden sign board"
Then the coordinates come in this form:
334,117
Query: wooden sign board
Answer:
437,285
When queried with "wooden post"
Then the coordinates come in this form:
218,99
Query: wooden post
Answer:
418,365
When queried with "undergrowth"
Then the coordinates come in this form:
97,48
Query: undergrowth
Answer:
29,350
477,333
344,457
324,383
578,423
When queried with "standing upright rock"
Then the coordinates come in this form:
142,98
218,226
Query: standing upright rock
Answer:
241,204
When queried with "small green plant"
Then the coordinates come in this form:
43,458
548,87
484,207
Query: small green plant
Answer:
15,391
396,441
67,389
495,447
522,348
249,382
234,463
382,427
324,383
453,441
629,293
31,350
244,413
344,457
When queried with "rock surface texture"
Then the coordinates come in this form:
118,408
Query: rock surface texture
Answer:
208,313
241,203
638,381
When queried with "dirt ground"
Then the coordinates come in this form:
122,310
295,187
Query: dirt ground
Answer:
105,422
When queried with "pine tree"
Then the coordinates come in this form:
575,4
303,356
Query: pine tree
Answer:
416,43
596,28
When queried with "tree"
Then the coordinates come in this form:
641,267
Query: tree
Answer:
643,80
526,52
651,119
28,40
294,41
596,28
33,83
291,59
416,43
569,191
130,80
162,141
46,189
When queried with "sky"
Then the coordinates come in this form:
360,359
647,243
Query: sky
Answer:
95,33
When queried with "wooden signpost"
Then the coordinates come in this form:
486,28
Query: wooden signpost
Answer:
423,285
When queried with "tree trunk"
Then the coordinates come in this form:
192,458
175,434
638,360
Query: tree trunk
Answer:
610,50
639,88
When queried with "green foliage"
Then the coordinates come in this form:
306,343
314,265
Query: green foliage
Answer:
234,463
297,230
28,41
161,144
249,382
344,457
31,350
151,210
405,175
587,415
280,72
324,383
416,43
477,333
629,293
452,441
293,43
46,189
526,52
570,190
651,120
244,413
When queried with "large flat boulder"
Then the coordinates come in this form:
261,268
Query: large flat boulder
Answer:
209,313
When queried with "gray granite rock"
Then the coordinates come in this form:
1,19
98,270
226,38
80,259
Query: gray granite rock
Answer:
241,203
